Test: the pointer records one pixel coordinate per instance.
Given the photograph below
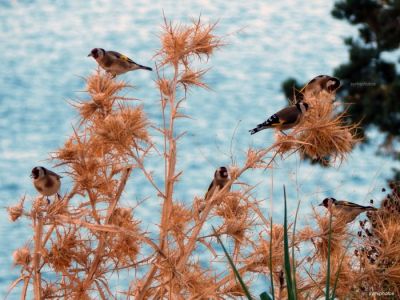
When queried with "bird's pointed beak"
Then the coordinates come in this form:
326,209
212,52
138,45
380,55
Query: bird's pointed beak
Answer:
321,204
90,54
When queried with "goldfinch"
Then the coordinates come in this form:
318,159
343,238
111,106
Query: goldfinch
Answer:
221,177
115,63
45,181
345,210
284,119
316,85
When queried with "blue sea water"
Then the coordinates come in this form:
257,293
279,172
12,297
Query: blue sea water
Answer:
43,54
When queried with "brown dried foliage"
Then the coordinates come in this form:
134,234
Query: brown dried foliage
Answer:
85,240
62,251
16,211
323,134
379,251
124,246
124,130
103,92
181,42
22,256
260,260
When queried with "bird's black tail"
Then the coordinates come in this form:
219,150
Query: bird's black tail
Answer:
258,128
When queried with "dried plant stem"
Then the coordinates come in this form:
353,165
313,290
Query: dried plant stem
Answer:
169,177
124,179
71,194
25,288
170,161
196,230
102,243
66,200
147,282
48,234
139,162
37,287
92,200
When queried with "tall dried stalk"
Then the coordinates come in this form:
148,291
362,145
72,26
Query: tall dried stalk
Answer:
37,281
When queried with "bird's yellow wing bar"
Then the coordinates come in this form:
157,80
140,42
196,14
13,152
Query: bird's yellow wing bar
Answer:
126,58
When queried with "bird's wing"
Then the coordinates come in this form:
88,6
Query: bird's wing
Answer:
349,204
121,56
288,115
52,173
272,121
211,185
209,189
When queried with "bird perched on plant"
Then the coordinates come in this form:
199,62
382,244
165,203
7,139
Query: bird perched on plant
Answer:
284,119
114,62
316,85
46,182
345,210
221,178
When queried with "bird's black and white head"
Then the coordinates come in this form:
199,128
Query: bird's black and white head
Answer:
38,172
222,173
97,53
332,84
323,82
328,202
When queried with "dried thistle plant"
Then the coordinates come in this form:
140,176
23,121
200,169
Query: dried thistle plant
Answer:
22,256
378,250
16,211
82,243
181,42
322,134
183,231
87,235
